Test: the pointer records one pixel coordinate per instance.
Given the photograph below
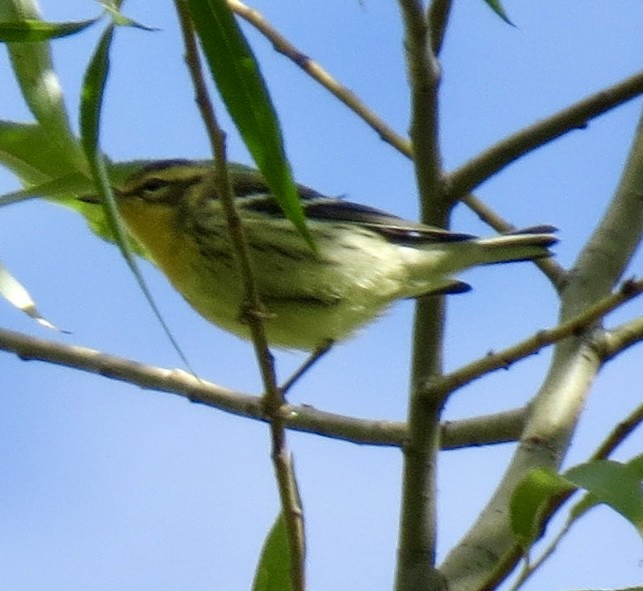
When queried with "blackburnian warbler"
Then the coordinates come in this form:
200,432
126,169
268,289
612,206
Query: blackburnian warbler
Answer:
365,259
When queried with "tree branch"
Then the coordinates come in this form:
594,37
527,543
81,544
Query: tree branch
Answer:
438,17
618,339
418,532
484,430
487,553
320,75
445,385
471,174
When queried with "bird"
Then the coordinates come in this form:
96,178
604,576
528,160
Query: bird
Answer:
363,259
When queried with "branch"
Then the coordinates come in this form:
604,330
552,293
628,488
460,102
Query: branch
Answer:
226,195
620,338
438,17
603,260
443,386
418,524
619,434
424,77
504,427
320,75
485,430
487,553
489,543
479,169
273,399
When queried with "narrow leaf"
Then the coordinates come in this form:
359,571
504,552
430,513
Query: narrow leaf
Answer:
32,65
90,111
15,293
273,570
121,20
497,7
33,30
241,85
64,186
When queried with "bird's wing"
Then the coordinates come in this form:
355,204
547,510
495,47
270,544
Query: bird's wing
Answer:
256,197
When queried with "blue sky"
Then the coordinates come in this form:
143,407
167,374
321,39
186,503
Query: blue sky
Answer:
106,486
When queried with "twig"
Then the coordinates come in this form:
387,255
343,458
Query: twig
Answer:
443,386
217,138
320,75
273,399
486,553
479,169
485,430
620,338
618,434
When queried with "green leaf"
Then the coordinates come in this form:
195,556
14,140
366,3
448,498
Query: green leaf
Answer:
243,90
618,485
118,18
40,88
34,30
15,293
530,500
27,150
496,6
61,187
273,570
90,110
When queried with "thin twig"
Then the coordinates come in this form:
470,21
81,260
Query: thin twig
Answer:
445,385
273,398
482,167
320,75
240,249
619,434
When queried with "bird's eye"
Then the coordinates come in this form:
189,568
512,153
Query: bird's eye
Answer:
151,187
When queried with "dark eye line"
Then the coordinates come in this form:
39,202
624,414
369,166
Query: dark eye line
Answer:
152,185
157,189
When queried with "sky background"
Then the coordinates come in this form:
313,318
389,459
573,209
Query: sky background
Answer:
104,486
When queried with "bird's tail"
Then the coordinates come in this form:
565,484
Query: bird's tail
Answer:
520,245
433,264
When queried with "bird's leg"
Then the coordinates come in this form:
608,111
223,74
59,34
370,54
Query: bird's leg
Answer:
316,355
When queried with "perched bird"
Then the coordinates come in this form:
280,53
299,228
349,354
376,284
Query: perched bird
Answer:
365,259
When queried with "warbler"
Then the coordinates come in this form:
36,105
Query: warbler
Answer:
365,259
